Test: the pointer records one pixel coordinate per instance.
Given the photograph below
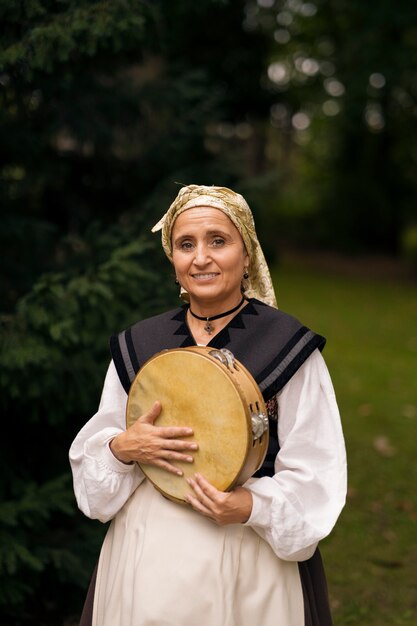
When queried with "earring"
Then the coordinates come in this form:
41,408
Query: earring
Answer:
246,275
177,282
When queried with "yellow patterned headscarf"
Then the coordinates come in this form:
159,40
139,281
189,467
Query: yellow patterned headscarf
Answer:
259,284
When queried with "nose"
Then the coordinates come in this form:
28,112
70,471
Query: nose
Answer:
201,255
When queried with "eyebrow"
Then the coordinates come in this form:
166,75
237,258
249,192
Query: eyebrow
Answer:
214,231
218,231
210,233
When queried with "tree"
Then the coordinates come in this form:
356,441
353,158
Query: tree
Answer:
105,106
342,74
53,360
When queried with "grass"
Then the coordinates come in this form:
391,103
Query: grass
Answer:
371,328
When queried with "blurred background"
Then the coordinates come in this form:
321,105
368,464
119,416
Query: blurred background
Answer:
307,108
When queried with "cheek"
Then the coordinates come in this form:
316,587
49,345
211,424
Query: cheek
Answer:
179,263
175,266
236,265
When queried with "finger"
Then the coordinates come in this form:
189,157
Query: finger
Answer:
198,506
171,455
172,432
205,500
175,444
168,467
150,416
207,488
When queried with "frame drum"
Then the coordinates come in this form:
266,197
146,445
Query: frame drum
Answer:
211,392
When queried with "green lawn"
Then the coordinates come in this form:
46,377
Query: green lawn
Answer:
371,328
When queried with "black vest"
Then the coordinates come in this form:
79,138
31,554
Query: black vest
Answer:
271,344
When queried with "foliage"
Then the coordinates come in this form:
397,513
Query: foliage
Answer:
344,110
54,352
409,245
103,106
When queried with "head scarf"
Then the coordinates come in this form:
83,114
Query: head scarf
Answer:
259,284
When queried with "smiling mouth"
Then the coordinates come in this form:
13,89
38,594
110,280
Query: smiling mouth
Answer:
207,276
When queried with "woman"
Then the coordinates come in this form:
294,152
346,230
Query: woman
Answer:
244,557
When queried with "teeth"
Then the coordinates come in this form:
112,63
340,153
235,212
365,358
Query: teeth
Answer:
204,275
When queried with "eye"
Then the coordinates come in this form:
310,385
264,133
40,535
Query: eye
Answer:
185,245
218,242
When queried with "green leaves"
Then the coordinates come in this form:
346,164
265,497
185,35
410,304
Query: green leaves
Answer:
24,536
55,38
52,363
37,502
103,106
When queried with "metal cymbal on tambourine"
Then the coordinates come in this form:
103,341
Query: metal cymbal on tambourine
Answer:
214,394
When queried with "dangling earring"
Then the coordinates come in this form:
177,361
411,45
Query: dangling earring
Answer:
246,275
177,282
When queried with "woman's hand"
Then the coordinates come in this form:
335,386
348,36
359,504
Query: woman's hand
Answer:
158,445
232,507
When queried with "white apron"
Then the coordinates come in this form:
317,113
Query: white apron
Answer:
163,564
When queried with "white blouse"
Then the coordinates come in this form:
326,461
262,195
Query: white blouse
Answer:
292,511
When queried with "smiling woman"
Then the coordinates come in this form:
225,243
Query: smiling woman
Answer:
210,261
255,546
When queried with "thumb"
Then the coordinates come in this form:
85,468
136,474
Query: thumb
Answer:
150,416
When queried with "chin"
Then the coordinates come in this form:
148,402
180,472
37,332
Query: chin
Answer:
209,295
205,294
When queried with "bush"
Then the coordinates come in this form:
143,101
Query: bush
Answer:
53,359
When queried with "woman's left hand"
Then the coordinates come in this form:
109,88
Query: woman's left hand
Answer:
232,507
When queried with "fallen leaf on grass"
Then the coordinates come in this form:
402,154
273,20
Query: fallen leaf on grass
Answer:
383,446
405,505
365,410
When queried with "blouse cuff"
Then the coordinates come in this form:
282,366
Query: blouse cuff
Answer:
98,446
260,514
262,521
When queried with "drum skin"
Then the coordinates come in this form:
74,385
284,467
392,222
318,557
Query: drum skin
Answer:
199,391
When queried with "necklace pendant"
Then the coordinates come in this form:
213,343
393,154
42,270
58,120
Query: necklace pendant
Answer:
208,327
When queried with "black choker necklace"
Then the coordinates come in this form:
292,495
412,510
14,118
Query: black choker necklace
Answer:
208,327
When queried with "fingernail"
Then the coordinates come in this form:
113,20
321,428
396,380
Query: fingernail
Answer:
189,431
179,472
194,446
190,459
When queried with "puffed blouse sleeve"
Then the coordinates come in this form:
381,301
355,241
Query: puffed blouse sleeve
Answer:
102,483
299,505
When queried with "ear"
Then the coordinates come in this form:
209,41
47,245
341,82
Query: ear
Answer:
246,259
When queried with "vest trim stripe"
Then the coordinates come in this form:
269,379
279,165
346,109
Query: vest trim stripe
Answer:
119,361
126,356
316,342
132,351
282,354
286,361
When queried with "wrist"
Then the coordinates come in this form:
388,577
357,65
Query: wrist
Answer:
117,451
246,504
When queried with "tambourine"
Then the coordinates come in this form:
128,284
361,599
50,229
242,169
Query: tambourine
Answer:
214,394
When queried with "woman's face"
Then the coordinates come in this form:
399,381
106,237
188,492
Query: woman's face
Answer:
209,257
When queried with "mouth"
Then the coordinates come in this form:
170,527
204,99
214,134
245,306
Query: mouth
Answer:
205,276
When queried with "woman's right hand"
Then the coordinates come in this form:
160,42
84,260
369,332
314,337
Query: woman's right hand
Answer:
157,445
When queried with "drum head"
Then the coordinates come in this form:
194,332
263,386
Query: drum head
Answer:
195,390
